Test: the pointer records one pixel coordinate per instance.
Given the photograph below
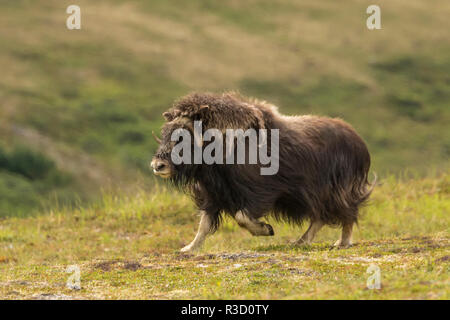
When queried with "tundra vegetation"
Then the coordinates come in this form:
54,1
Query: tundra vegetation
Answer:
128,247
78,108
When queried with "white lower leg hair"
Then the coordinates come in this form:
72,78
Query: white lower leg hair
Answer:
204,229
255,227
309,235
346,236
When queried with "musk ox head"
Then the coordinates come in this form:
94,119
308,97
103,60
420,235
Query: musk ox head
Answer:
221,112
162,163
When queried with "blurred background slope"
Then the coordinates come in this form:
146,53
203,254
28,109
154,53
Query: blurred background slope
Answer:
77,107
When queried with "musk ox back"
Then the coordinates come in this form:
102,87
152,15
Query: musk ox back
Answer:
322,173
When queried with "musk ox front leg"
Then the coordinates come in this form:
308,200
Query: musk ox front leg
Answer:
204,229
256,228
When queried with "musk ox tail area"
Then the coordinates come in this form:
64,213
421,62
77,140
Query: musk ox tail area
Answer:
367,190
355,199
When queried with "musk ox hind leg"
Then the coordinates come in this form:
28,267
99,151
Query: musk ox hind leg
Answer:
346,237
309,235
255,227
205,227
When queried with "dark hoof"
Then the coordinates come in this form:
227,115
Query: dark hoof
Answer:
271,232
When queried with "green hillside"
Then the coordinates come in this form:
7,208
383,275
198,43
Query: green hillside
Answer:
82,103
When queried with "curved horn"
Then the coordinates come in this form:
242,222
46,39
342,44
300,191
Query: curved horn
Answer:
156,137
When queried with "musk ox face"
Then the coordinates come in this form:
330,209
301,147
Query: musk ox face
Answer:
162,164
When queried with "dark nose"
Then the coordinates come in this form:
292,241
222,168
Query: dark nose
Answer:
159,166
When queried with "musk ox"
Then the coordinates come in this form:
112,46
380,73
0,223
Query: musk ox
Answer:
322,172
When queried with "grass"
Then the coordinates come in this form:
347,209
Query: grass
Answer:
127,248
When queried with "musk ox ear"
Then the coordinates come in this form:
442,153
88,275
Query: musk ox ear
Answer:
167,115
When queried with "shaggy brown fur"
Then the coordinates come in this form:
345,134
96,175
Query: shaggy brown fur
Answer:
323,164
